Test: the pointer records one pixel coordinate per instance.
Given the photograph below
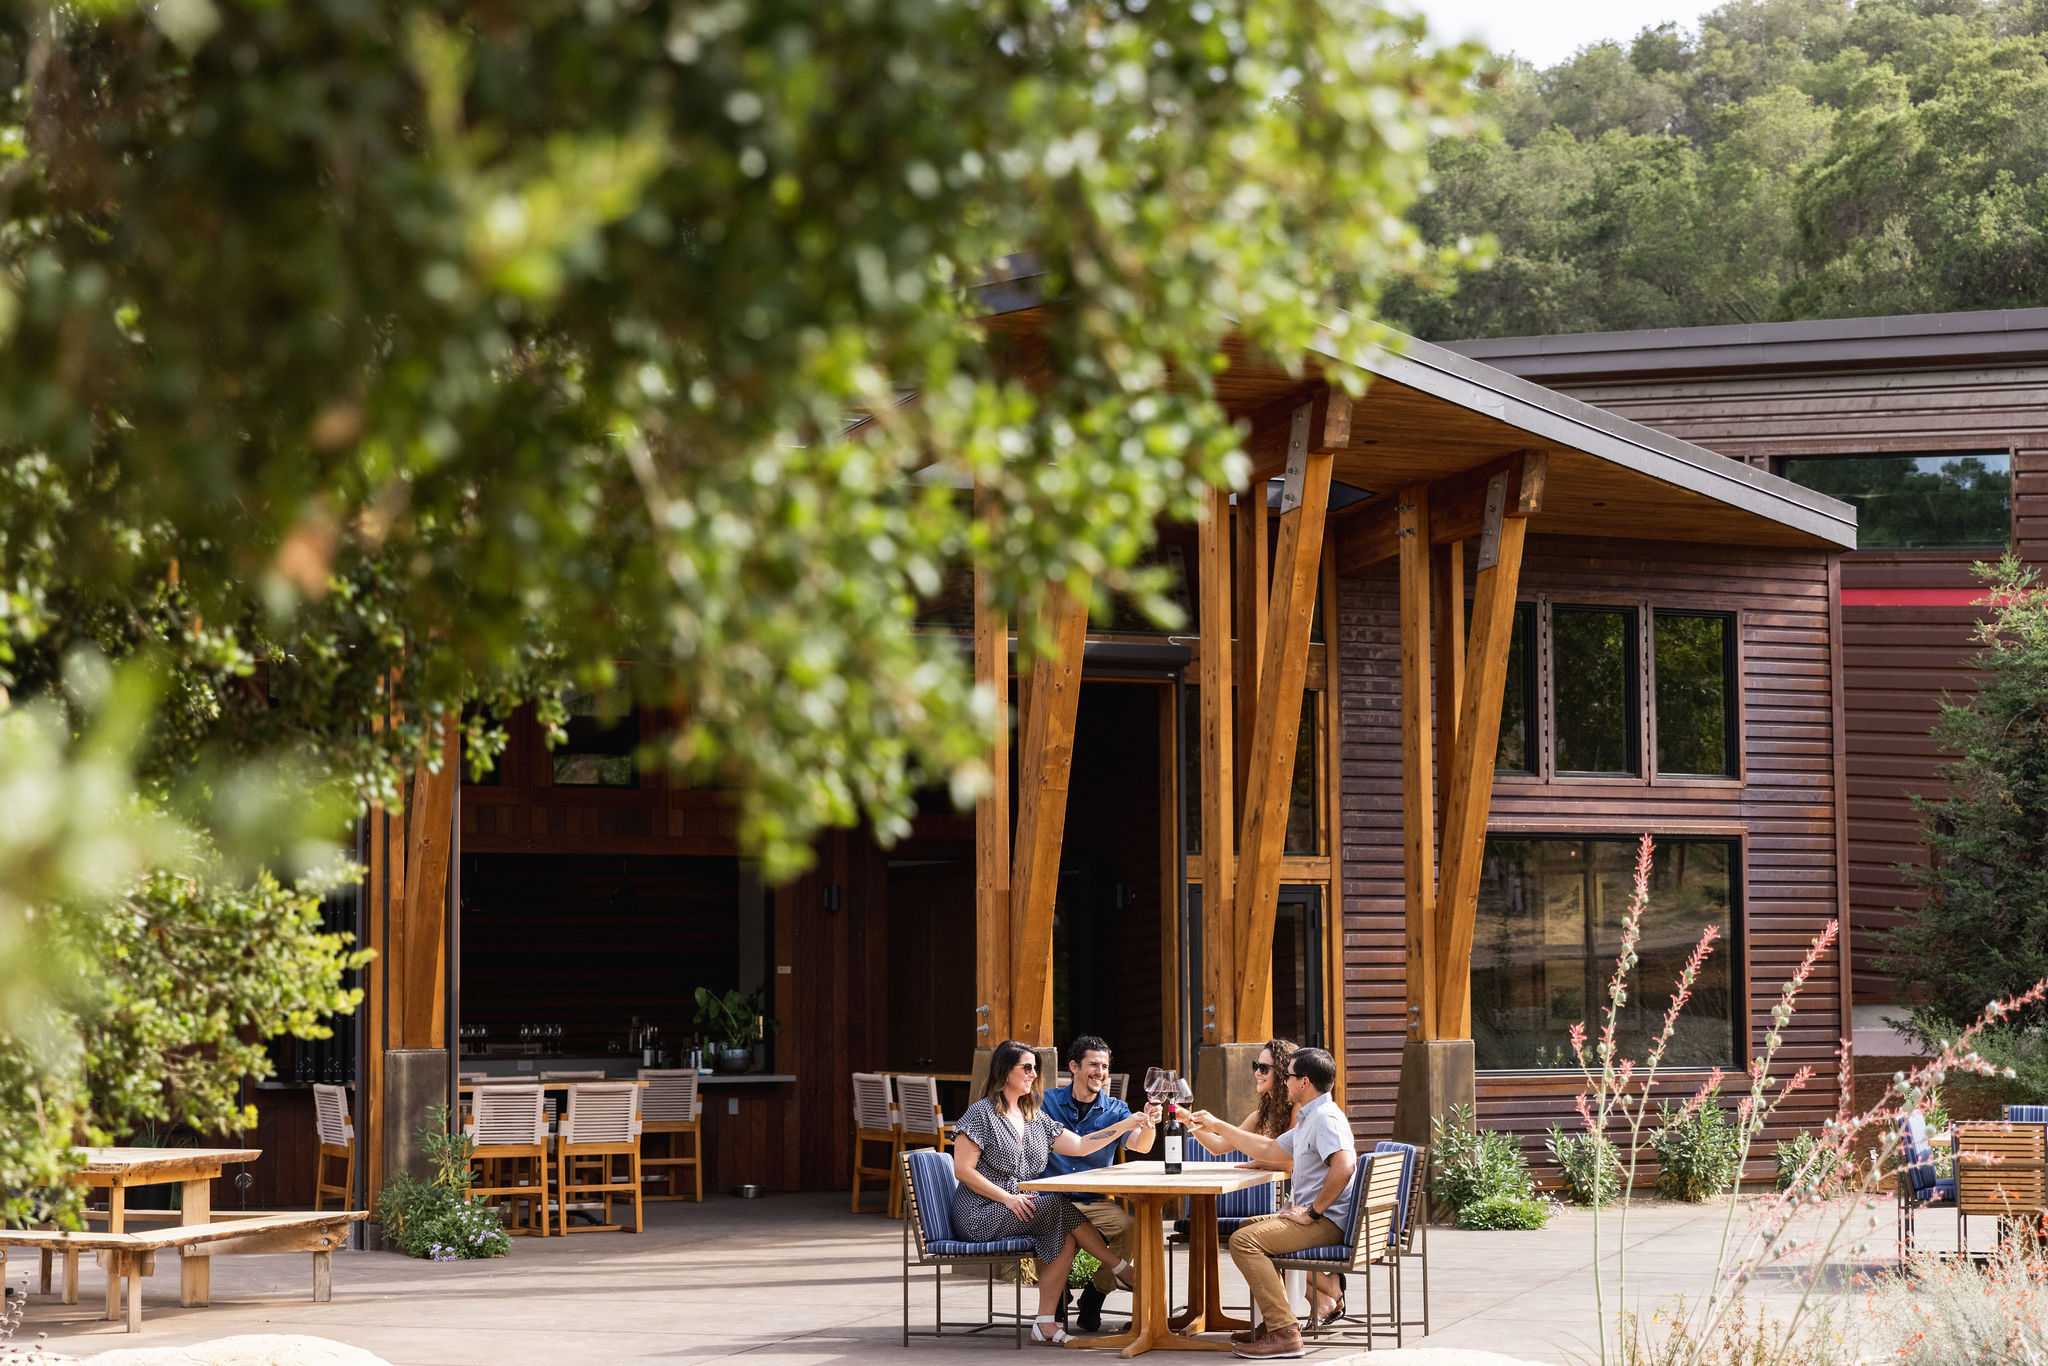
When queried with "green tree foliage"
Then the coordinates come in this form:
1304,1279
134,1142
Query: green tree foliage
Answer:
361,363
1981,932
1794,158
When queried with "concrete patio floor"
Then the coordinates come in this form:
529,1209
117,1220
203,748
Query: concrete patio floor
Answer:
796,1279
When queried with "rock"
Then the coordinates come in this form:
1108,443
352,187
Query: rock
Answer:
253,1349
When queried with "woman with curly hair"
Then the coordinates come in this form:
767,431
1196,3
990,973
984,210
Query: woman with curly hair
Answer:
1273,1115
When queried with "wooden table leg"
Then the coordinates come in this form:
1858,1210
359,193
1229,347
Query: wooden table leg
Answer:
132,1265
1200,1254
117,1222
195,1273
71,1275
1212,1275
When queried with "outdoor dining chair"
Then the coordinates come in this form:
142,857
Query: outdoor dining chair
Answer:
875,1121
510,1131
2002,1172
600,1128
337,1142
1370,1241
927,1178
917,1112
1410,1236
1119,1083
1919,1186
669,1104
2026,1114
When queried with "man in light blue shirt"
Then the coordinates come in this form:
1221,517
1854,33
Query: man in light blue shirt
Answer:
1324,1154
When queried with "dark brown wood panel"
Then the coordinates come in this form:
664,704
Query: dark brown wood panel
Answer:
1783,809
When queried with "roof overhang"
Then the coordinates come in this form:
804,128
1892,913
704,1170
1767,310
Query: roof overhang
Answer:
1429,414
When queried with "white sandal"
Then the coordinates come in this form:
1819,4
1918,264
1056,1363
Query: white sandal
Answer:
1060,1336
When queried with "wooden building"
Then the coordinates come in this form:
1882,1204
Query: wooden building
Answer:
1937,427
1467,639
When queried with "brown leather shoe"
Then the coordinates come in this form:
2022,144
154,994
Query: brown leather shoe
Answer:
1274,1346
1243,1335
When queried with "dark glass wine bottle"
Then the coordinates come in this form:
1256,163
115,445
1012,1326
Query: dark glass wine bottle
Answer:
1176,1140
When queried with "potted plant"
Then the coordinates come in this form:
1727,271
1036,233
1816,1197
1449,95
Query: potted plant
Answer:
734,1024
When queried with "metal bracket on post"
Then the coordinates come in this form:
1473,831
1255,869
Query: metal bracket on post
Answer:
1496,510
981,1021
1414,1020
1209,1018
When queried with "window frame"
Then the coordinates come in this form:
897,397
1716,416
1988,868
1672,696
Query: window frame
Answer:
1639,769
1907,448
1731,672
1735,944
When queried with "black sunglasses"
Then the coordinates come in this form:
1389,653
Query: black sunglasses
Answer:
1028,1066
1262,1068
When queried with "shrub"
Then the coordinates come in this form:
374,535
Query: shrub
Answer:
1468,1165
1505,1212
436,1218
1591,1166
1807,1164
1743,1337
1697,1149
1939,1311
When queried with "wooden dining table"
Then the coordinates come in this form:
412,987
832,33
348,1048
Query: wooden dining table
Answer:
120,1170
1148,1188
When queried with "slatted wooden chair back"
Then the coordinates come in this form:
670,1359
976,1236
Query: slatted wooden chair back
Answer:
1119,1083
605,1112
330,1116
509,1117
1376,1222
668,1095
871,1102
917,1104
2001,1169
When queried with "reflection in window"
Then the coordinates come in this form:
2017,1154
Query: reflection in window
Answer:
1549,927
1908,502
1304,830
600,747
1593,675
1695,693
1516,752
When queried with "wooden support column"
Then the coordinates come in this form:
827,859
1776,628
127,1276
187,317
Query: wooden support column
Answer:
1045,764
992,830
1216,1020
1319,428
1447,609
1470,775
429,834
1250,591
1418,796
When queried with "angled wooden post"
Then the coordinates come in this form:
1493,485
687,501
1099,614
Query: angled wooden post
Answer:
1320,427
1447,610
1216,1015
1044,767
992,932
1470,774
424,966
1418,794
1250,591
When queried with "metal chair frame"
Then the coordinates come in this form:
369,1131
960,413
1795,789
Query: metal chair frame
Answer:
913,1223
1369,1242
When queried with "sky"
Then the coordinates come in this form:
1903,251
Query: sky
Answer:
1546,32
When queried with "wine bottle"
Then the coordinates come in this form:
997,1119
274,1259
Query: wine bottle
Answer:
1175,1135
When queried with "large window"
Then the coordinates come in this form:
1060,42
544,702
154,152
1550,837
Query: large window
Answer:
1550,924
1695,654
1594,674
1910,502
600,747
1516,752
1304,807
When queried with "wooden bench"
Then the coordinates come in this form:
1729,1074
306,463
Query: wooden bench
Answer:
133,1255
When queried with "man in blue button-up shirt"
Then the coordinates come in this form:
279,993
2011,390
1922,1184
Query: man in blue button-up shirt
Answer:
1085,1105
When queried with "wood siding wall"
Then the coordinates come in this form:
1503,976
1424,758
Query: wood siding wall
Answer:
1784,806
1897,660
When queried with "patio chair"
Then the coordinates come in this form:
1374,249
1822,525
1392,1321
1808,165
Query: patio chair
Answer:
2001,1171
875,1121
1119,1083
917,1112
669,1105
510,1130
1410,1236
337,1142
2026,1114
1371,1240
1918,1184
927,1178
1233,1208
602,1122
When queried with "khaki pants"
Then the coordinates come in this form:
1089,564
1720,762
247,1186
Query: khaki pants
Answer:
1112,1221
1253,1248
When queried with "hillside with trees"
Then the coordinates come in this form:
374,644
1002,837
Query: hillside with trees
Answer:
1794,159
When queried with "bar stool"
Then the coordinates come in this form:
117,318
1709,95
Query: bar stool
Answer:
669,1105
875,1121
337,1135
510,1129
602,1123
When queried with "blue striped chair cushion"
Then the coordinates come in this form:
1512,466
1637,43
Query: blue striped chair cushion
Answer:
1334,1252
1233,1208
1408,1153
2026,1114
931,1185
1919,1157
1001,1247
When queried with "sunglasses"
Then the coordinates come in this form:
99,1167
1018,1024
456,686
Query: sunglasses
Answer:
1262,1068
1028,1066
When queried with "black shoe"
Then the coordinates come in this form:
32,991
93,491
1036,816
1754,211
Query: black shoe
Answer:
1090,1318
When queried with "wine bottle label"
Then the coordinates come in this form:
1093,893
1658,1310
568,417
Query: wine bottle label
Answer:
1175,1148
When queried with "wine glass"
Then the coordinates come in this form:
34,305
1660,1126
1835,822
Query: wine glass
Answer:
1154,1076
